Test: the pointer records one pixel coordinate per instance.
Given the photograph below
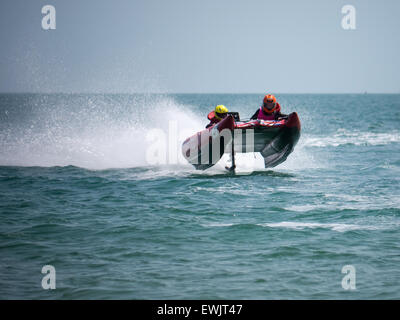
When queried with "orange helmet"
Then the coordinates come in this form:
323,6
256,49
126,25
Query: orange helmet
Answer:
269,103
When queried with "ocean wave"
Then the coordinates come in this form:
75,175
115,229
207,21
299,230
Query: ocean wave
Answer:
349,202
346,137
340,227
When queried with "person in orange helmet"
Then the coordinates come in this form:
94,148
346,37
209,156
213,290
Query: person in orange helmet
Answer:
270,109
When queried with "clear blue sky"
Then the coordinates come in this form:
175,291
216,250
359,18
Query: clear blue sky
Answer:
224,46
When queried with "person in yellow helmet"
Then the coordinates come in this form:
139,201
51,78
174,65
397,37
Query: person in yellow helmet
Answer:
215,116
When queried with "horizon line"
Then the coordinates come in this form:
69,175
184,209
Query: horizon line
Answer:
166,93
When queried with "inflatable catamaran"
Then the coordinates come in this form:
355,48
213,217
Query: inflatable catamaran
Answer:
273,139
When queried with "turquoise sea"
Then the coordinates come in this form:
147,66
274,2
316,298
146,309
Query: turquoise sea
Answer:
78,192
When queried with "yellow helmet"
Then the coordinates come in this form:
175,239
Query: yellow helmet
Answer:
220,111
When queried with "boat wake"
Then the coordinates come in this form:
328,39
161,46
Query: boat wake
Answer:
88,132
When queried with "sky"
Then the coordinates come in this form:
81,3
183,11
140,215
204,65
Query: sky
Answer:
208,46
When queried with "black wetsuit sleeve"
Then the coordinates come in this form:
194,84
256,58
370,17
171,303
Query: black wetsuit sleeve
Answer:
280,115
255,115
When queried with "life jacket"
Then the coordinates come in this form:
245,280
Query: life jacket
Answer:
264,116
212,118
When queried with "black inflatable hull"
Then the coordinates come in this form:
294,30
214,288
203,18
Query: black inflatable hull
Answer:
274,140
280,147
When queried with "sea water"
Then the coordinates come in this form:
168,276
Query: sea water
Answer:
79,193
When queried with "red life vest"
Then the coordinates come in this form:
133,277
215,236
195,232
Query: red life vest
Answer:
263,116
212,118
